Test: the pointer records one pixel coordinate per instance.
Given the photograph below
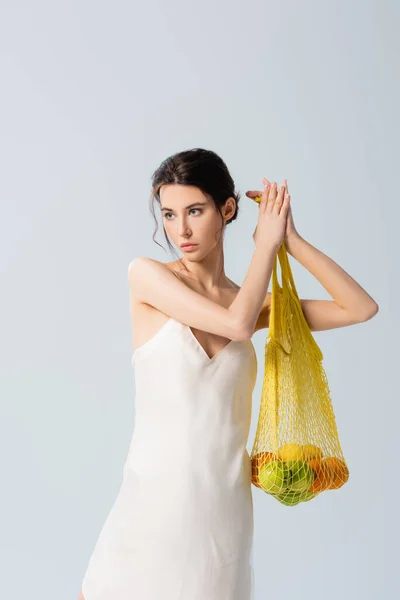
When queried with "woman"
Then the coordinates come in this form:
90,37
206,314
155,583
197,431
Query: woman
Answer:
181,527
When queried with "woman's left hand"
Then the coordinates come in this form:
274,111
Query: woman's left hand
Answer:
291,230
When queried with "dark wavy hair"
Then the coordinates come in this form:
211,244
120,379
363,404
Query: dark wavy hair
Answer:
198,167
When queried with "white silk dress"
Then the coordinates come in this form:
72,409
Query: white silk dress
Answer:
181,526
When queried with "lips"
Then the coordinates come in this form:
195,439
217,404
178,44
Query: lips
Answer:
188,245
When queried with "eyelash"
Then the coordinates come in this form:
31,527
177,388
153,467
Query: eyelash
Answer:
168,213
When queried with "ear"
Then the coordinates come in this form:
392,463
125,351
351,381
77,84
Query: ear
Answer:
229,207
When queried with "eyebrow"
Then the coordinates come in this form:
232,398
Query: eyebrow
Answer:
189,206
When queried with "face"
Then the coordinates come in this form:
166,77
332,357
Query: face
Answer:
190,217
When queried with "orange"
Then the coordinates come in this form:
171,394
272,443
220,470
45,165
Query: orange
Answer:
340,472
323,475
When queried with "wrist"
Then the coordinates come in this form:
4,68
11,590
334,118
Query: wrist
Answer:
291,240
267,248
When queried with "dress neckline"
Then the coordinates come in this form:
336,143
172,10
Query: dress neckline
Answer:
200,347
193,340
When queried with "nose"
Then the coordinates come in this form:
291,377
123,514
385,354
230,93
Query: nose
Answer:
183,228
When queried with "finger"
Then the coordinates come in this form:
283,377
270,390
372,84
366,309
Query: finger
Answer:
286,195
266,182
271,197
256,194
286,204
253,193
280,198
274,191
264,198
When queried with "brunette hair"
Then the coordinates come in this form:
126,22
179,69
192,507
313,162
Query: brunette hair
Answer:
198,167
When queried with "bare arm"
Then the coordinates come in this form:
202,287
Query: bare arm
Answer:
251,296
153,283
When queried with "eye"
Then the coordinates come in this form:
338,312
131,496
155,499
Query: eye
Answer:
169,213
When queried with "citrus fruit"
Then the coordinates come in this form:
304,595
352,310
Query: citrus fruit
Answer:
339,470
323,474
290,452
311,451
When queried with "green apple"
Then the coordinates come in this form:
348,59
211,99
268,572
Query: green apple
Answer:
290,498
272,477
308,496
292,466
301,477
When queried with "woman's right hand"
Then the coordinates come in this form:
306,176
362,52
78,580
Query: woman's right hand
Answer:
272,216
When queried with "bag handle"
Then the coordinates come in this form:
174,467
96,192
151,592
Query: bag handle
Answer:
284,290
290,301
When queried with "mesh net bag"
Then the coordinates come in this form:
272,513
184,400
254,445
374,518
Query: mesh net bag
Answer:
296,453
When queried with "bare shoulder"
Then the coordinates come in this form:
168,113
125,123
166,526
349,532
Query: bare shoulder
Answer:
145,274
144,270
145,319
138,265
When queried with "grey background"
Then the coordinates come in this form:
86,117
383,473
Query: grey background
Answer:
94,96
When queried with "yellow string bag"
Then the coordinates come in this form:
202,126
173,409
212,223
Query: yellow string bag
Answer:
296,453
